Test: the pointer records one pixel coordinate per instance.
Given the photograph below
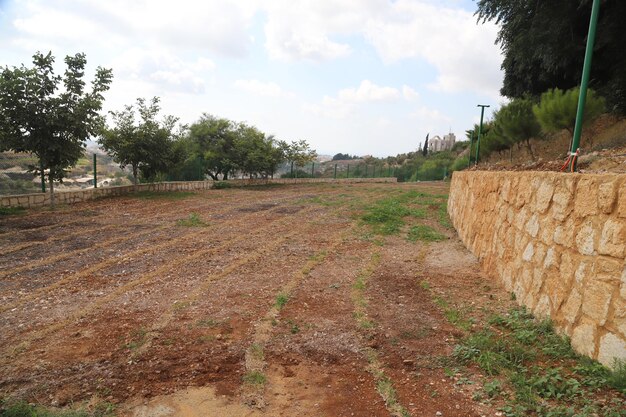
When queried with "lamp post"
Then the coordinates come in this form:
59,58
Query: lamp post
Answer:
582,98
480,129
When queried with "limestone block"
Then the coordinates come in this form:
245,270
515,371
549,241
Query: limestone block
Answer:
619,319
611,347
621,202
561,202
608,269
542,309
584,270
623,284
564,234
544,196
572,306
552,258
607,196
528,252
568,267
532,226
613,239
597,300
584,337
586,239
586,202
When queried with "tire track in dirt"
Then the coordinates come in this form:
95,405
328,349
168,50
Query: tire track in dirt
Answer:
126,287
253,394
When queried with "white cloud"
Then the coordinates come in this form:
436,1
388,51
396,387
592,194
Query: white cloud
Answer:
165,69
268,89
368,91
409,93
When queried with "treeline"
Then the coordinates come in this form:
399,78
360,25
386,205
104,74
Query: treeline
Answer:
523,119
157,149
52,116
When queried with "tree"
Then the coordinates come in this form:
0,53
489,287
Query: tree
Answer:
146,145
517,123
425,150
557,109
298,152
213,140
39,118
544,46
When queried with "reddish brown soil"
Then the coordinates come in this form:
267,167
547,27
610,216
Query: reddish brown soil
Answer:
112,300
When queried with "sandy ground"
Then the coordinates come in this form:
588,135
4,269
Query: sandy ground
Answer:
114,301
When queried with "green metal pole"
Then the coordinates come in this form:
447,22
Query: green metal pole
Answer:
480,129
582,98
291,169
95,175
348,174
312,169
43,180
469,162
335,175
365,170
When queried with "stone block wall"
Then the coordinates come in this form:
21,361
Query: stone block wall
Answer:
76,196
558,241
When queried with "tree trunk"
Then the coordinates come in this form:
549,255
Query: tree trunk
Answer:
530,149
225,177
135,177
51,190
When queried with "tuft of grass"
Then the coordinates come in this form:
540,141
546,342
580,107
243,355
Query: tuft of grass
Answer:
386,217
11,211
192,221
281,301
220,185
257,352
255,378
10,408
424,233
163,195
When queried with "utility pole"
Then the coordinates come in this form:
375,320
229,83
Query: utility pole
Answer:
582,98
95,175
480,129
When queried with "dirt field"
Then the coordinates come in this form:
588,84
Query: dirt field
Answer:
273,301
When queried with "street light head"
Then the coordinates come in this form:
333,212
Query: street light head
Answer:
483,105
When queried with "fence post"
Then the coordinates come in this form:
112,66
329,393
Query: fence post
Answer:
95,175
312,169
335,176
348,174
291,169
365,170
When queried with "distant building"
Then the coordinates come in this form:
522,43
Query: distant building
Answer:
437,144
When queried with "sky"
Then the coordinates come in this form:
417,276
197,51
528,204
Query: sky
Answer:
364,77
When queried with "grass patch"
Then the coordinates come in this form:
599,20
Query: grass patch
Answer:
424,233
10,408
454,315
386,217
163,195
221,185
255,378
281,301
256,350
539,373
192,221
11,211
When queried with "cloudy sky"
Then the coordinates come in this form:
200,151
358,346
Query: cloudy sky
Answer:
357,76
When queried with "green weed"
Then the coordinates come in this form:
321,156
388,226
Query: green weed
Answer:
424,233
281,301
254,378
192,221
11,211
10,408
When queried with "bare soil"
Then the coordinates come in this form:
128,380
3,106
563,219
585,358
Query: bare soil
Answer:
113,301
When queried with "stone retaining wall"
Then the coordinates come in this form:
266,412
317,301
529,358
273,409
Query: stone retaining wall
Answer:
75,196
558,241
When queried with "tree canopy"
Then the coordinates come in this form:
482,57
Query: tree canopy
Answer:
40,117
146,145
544,46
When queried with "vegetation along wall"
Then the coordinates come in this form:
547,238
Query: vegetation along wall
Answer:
558,242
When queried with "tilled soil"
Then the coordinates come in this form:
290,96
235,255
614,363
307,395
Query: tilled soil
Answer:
114,301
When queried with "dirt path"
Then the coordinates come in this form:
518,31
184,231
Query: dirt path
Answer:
281,302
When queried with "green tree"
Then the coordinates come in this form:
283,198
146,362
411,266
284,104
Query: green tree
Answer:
516,123
298,153
146,145
557,109
544,46
213,140
38,117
